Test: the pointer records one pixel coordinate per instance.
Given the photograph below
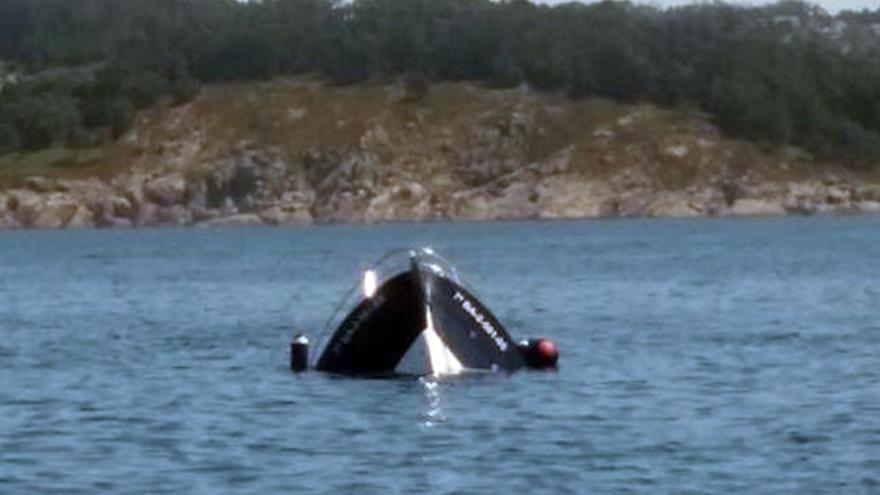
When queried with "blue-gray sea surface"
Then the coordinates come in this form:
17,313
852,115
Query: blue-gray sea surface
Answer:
707,356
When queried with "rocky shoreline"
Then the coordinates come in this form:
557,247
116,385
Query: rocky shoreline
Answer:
474,155
174,200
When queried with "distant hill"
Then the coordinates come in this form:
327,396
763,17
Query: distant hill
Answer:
299,151
785,74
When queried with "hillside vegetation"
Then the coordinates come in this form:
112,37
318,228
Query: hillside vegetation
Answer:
297,151
76,72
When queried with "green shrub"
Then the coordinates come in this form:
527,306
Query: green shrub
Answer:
99,60
9,138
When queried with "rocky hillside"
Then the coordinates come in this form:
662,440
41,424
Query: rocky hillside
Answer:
299,152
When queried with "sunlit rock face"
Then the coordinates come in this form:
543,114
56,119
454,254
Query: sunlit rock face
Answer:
295,152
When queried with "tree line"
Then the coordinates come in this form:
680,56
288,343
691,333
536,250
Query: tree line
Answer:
76,71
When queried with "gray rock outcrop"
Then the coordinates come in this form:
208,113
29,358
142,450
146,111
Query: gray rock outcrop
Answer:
473,154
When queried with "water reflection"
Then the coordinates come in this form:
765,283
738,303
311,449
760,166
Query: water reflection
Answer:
433,414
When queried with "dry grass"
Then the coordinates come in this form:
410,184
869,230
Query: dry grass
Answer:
294,116
64,163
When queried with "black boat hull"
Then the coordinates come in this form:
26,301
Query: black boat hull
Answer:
419,322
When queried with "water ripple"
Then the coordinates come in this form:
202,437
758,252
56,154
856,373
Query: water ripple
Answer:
706,358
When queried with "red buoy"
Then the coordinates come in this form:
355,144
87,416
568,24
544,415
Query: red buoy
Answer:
539,353
548,350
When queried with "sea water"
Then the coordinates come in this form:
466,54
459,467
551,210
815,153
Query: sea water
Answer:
703,356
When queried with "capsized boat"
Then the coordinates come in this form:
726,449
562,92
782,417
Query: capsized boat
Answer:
412,314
